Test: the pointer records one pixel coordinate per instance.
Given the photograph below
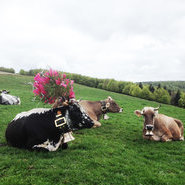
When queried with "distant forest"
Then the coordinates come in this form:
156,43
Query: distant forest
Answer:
169,92
170,85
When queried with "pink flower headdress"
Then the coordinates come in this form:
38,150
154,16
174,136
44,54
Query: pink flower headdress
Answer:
51,86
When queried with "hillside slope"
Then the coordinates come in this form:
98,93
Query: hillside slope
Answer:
112,154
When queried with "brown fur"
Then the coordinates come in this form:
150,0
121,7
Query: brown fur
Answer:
165,128
94,109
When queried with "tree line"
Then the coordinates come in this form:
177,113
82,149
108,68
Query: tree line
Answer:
9,70
148,91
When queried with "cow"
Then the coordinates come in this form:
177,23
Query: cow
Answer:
95,109
159,127
7,99
46,128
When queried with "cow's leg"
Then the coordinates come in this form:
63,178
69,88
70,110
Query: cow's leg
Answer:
105,116
155,138
64,146
166,137
152,138
49,145
96,124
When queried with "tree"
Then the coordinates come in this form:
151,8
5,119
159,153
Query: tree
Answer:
135,90
127,88
159,86
170,92
181,101
146,93
140,85
177,97
105,83
113,86
161,95
165,87
151,88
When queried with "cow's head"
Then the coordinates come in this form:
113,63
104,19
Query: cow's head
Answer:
112,106
79,119
75,115
149,114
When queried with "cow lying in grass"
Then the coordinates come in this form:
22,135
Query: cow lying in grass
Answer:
45,128
7,99
159,127
95,109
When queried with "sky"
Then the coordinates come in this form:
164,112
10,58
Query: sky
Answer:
135,40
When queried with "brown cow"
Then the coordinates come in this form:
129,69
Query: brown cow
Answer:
159,127
95,109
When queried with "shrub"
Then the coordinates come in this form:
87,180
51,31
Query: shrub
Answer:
161,95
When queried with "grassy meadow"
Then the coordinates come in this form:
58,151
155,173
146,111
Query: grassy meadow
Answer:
112,154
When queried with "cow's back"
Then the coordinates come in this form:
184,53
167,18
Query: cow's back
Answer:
167,124
31,128
92,108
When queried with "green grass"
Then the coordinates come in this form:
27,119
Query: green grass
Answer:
112,154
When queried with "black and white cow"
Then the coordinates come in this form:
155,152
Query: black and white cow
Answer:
7,99
44,128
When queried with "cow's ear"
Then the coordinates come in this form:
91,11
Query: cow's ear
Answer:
107,105
109,98
138,113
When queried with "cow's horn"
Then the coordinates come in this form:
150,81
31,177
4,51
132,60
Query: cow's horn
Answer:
66,103
155,109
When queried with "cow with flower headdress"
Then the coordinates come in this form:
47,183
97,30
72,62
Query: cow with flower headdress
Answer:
49,128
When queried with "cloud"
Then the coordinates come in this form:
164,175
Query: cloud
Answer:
125,40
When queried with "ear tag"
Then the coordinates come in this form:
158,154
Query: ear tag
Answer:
59,112
107,105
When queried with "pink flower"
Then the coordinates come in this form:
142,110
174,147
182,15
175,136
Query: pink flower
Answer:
46,74
71,95
67,81
64,75
57,85
35,84
36,91
58,81
72,82
53,72
36,78
41,88
51,101
63,84
46,80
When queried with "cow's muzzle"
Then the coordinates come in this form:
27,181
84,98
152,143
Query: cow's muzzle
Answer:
121,110
149,129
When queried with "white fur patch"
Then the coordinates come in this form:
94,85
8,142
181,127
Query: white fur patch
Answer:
49,145
156,138
106,117
28,113
145,109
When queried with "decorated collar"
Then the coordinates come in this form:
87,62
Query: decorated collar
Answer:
62,121
103,107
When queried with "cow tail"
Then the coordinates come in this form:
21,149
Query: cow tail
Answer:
180,125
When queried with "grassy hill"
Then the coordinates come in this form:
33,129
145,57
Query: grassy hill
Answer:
112,154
